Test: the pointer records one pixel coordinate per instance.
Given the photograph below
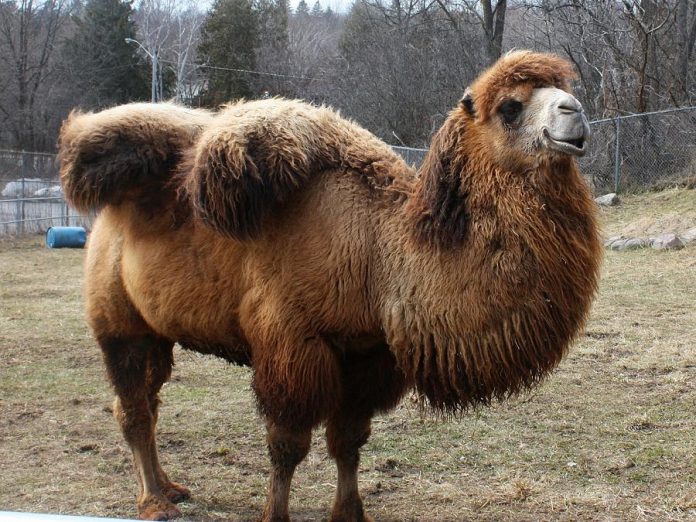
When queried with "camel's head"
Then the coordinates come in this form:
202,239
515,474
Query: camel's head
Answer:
517,118
522,109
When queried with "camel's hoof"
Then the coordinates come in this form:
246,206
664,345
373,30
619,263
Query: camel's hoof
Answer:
157,508
176,492
359,516
274,518
356,516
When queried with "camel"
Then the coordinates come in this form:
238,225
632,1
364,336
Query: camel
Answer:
282,236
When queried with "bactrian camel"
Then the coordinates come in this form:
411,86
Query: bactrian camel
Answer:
279,235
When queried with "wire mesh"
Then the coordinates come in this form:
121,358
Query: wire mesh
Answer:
642,151
629,153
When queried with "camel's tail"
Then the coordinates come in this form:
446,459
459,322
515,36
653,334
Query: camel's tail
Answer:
125,153
257,154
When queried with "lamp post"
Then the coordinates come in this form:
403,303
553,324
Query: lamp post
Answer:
155,66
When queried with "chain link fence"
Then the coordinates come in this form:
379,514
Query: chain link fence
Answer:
642,151
629,153
31,200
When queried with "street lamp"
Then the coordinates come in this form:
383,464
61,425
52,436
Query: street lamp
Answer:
155,68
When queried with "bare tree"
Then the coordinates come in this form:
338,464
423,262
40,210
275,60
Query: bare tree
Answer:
170,31
404,68
631,55
28,38
490,16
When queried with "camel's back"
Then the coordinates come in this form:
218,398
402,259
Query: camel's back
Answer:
255,157
176,271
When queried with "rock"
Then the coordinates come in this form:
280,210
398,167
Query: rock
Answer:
608,242
607,200
689,236
619,244
634,244
667,242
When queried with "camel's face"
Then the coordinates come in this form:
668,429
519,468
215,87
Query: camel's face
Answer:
549,121
525,125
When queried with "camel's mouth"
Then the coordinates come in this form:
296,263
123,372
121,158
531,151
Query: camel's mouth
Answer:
574,147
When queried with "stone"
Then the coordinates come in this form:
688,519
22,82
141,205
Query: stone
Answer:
608,242
619,244
667,242
607,200
689,236
635,244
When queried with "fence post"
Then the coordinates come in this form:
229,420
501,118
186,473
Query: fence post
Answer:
23,173
617,155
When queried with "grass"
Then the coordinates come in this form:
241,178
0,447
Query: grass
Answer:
608,437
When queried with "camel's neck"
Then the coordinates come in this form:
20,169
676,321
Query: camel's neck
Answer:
438,205
489,303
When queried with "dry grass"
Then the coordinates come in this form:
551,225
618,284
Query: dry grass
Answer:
608,437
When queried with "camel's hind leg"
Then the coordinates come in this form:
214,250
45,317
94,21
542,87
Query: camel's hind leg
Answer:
161,361
138,367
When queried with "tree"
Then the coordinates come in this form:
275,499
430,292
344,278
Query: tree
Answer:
228,39
102,65
171,29
404,68
490,16
272,53
28,38
302,9
631,55
316,10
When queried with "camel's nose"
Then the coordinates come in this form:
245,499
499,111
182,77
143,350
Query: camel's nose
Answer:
569,119
568,104
566,129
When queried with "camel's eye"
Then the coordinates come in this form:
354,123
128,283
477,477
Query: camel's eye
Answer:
510,111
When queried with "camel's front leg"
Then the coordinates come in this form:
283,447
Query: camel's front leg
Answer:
371,382
287,448
345,436
137,369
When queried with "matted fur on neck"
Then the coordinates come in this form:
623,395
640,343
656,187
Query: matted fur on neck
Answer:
527,250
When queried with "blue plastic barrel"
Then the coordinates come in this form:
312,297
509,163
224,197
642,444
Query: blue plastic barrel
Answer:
66,237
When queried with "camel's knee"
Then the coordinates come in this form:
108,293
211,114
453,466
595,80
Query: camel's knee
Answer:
135,419
137,368
286,447
344,438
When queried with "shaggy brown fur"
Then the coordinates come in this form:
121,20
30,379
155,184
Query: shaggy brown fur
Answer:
311,251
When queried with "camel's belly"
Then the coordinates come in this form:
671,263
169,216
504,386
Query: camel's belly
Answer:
187,296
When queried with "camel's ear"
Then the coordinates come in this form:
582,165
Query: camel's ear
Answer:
467,102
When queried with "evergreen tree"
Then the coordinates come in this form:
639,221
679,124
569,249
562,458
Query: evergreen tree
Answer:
302,9
228,38
272,54
316,9
101,64
273,24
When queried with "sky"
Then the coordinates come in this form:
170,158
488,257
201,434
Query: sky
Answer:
338,6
